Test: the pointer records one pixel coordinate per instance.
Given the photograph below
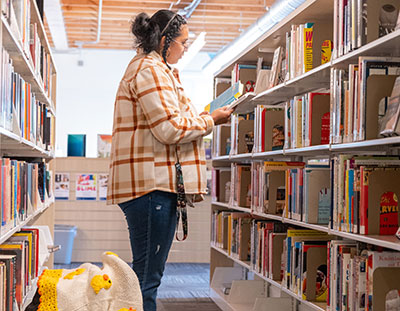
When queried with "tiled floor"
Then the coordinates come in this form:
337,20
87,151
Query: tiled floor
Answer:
184,287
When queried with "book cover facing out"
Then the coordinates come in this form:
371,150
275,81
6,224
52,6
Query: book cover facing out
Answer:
103,145
76,145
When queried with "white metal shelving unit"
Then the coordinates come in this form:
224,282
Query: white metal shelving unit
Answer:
318,77
12,144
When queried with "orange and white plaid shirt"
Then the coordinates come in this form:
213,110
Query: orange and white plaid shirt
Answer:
153,122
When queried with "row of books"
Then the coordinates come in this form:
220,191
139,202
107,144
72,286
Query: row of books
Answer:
24,186
299,50
358,22
347,275
365,194
307,120
19,266
357,194
364,104
21,113
361,278
231,231
267,247
294,190
301,122
360,99
18,15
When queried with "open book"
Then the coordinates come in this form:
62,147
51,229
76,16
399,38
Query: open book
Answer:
227,97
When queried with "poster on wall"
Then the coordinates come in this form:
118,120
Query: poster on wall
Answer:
103,180
61,186
86,187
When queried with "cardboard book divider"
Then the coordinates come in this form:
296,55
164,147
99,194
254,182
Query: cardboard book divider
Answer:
384,280
224,177
321,31
373,12
320,106
244,236
315,257
221,86
317,180
272,118
378,87
245,127
276,179
225,133
247,74
275,256
243,187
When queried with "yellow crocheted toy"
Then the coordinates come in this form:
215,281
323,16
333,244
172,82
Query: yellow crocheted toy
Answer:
90,287
100,281
71,275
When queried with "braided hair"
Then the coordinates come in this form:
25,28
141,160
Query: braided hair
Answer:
148,31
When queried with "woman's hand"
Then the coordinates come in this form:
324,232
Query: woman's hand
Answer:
221,115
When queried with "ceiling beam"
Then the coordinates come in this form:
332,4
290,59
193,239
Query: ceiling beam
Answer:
140,8
166,3
129,15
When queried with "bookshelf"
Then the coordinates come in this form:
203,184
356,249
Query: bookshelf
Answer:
27,135
226,268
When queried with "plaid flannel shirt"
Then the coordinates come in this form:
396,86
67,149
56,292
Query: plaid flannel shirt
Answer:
153,123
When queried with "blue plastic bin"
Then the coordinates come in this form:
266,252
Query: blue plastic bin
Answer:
64,235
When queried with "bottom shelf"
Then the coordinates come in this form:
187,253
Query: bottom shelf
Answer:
231,293
250,291
220,300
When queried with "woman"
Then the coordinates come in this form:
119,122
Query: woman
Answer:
155,127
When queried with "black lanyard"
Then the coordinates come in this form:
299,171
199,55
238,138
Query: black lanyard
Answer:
181,211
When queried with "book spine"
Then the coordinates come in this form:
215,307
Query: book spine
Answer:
308,49
364,201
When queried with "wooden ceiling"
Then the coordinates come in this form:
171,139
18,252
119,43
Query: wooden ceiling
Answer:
222,20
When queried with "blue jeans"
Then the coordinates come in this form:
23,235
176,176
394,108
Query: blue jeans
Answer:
151,222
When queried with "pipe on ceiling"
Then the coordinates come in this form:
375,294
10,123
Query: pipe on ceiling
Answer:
188,11
172,4
81,43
